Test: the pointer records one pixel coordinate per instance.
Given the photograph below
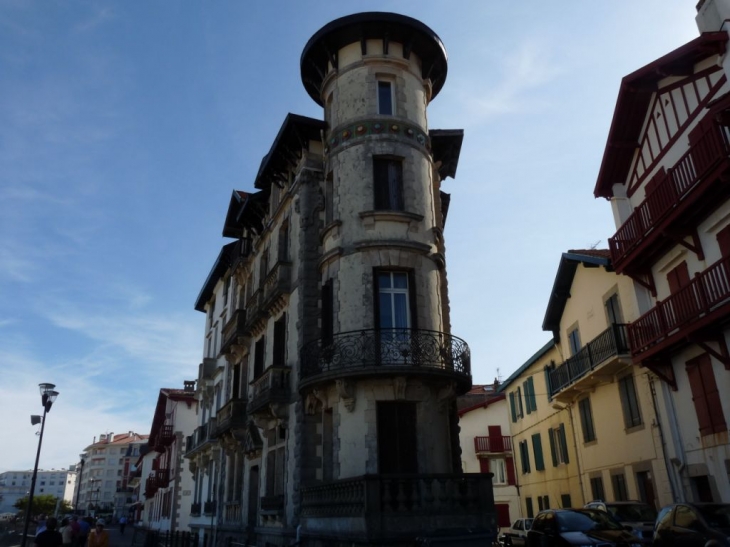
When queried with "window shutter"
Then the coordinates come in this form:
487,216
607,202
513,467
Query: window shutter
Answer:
723,240
510,464
537,449
483,465
678,277
512,406
496,443
705,395
547,384
503,519
533,398
563,442
528,405
551,437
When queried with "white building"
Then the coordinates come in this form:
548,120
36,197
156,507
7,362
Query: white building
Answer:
15,485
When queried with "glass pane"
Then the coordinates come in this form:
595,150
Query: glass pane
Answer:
400,280
385,104
386,311
401,311
384,281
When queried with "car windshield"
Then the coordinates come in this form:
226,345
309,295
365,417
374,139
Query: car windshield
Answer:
585,520
633,512
716,516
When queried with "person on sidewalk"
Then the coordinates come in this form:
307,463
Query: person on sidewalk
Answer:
49,537
122,524
84,529
67,532
99,537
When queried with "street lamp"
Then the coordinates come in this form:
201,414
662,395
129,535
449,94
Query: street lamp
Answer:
48,396
78,482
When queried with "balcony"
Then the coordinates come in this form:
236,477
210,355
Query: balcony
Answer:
234,331
150,487
233,512
704,301
162,477
206,369
164,438
272,505
201,437
398,506
194,509
686,193
271,387
596,363
492,445
254,310
379,352
231,417
209,508
277,283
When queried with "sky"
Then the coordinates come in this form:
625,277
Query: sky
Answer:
124,127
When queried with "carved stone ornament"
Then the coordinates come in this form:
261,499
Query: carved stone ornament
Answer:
345,388
399,387
252,442
280,412
192,466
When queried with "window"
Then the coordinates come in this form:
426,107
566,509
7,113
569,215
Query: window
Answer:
678,277
537,449
211,311
574,341
558,445
264,267
619,487
329,196
543,502
705,395
524,457
530,399
284,242
327,310
518,403
226,287
385,98
565,501
394,307
258,358
499,468
629,402
597,488
275,462
586,420
613,310
388,183
528,508
723,240
397,443
280,341
684,517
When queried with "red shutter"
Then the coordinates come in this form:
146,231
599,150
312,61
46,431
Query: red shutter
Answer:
510,470
655,180
678,278
503,520
495,438
705,395
723,240
483,465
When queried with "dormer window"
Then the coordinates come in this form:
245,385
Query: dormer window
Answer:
385,98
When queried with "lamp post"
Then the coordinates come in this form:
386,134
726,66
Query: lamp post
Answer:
48,396
78,482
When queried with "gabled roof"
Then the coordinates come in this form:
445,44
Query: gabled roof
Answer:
246,211
166,394
222,263
482,404
633,100
564,280
527,364
286,150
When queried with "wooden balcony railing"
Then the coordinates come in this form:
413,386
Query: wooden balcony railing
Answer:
680,312
494,445
677,184
165,436
151,486
381,351
612,342
381,504
163,477
271,387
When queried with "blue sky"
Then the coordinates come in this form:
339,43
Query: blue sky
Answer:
124,127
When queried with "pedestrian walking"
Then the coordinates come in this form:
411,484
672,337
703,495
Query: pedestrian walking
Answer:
99,537
84,529
122,524
67,532
50,537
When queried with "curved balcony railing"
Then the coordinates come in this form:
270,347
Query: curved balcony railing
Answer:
384,348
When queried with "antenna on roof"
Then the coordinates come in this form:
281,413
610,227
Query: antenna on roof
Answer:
595,245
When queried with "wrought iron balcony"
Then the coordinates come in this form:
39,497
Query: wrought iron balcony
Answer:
234,331
493,445
277,282
202,436
704,301
386,352
595,363
384,506
231,417
688,188
271,387
254,309
233,513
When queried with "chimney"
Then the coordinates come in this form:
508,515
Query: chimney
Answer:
712,14
189,385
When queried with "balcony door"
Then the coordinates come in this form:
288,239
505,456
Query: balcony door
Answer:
394,317
397,437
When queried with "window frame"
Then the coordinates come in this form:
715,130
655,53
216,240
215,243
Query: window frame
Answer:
380,85
586,420
388,184
629,402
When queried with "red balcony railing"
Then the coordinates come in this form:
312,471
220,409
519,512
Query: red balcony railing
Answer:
493,444
677,183
679,312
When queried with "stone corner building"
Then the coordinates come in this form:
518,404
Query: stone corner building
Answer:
329,380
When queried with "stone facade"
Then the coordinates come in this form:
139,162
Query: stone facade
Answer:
328,387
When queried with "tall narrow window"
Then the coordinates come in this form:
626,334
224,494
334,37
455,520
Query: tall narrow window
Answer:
705,395
263,267
629,402
619,487
537,449
329,191
393,300
613,310
385,98
284,242
574,341
388,183
597,488
280,341
327,319
524,457
586,420
258,359
397,440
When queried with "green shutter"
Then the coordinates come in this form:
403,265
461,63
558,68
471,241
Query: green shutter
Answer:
528,406
551,436
537,449
533,399
547,384
563,442
512,406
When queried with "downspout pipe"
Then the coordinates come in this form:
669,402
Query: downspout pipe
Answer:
667,463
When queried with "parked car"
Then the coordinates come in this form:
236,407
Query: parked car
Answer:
639,515
516,534
568,527
693,524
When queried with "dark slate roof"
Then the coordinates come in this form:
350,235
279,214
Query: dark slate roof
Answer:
446,148
527,364
634,97
221,265
564,280
322,48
